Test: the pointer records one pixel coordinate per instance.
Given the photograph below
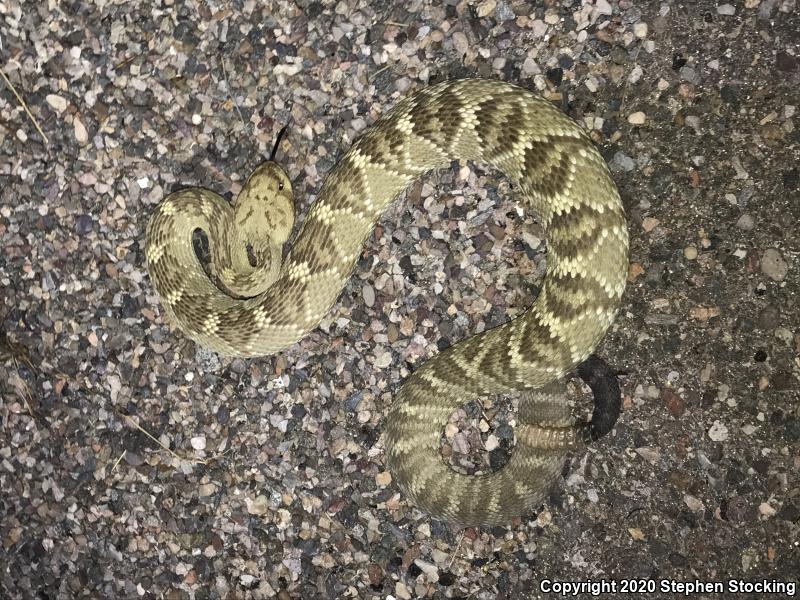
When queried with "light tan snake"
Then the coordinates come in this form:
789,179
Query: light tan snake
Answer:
559,175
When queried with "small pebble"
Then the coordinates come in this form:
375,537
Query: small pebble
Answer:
80,131
368,293
688,74
486,8
504,12
773,265
622,162
651,455
56,102
83,224
637,118
693,121
460,43
690,252
602,7
402,591
694,504
552,18
718,432
199,442
538,28
766,510
259,506
745,222
649,223
637,534
726,9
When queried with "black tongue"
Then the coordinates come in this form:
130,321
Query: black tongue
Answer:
278,142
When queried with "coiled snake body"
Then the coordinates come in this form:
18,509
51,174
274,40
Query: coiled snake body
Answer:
558,174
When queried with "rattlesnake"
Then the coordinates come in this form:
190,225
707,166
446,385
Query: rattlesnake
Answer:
559,175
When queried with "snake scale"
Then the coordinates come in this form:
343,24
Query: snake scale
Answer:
269,304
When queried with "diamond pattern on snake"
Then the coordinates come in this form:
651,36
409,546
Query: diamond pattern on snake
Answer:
270,304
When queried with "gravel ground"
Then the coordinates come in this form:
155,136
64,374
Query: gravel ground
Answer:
133,464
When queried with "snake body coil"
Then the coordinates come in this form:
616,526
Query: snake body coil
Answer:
559,175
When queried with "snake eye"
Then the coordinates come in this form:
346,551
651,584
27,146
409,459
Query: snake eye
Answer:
280,186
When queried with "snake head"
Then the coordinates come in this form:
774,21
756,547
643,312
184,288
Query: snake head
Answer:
266,204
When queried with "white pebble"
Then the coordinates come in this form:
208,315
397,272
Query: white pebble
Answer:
460,43
539,28
198,442
259,506
637,118
766,510
693,121
602,7
368,293
56,102
530,67
694,504
80,131
552,18
718,432
726,9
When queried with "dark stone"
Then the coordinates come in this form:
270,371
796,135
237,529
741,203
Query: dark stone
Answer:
498,458
678,61
783,381
610,126
405,264
791,179
555,76
677,559
769,318
785,62
761,466
83,224
730,95
283,50
789,512
737,509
